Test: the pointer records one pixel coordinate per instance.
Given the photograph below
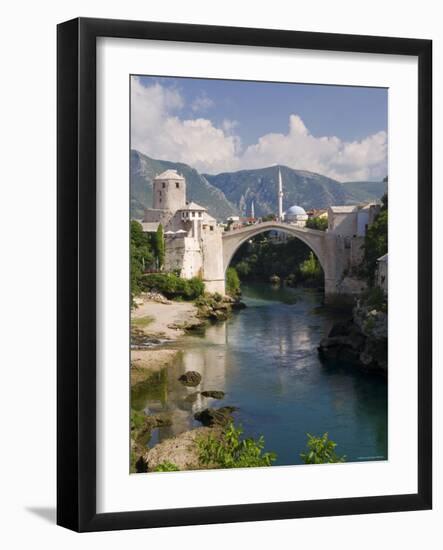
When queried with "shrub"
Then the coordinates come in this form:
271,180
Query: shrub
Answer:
230,451
321,450
138,419
311,268
172,286
195,288
166,467
232,282
374,298
318,223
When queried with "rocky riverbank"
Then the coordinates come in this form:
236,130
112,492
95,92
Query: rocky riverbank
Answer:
182,450
156,321
362,340
156,324
215,307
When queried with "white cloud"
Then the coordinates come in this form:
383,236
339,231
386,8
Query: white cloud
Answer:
229,125
202,103
159,132
330,156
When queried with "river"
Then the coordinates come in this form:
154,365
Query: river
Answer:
265,360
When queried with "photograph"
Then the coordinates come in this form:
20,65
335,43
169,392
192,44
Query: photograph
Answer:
259,274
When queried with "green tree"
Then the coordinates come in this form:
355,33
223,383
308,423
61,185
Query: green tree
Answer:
317,223
141,256
160,246
321,450
376,242
243,269
229,450
232,282
311,269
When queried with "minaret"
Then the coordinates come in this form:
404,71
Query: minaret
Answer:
280,197
252,210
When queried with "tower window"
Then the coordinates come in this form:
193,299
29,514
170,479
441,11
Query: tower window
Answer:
177,184
163,185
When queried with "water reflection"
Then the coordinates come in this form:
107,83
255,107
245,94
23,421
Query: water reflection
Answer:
265,360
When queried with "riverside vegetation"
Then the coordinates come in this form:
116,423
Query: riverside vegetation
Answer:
226,448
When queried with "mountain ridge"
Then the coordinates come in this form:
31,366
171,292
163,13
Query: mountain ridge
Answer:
301,187
232,193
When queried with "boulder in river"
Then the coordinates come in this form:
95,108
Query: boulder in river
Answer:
215,394
345,341
215,417
191,378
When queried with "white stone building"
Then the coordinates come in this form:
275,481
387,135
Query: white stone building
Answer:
351,220
193,244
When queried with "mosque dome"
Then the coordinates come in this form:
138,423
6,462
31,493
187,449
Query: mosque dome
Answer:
295,211
296,215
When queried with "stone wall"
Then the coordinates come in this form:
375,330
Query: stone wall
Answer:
356,252
183,254
152,215
343,223
213,268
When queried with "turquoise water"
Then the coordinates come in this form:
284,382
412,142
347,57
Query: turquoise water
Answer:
265,359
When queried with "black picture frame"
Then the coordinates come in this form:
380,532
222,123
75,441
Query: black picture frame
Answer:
76,265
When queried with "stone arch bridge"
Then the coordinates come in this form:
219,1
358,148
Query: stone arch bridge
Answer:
332,251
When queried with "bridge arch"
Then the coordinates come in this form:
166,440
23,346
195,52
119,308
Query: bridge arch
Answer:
314,239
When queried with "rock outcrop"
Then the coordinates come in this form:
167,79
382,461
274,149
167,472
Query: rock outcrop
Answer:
215,394
215,417
363,340
190,378
216,307
181,450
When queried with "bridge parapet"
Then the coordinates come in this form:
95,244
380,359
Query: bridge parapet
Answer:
269,226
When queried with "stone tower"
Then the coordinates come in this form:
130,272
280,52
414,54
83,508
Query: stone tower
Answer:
169,191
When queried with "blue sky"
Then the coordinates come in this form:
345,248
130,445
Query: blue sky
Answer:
222,125
351,113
